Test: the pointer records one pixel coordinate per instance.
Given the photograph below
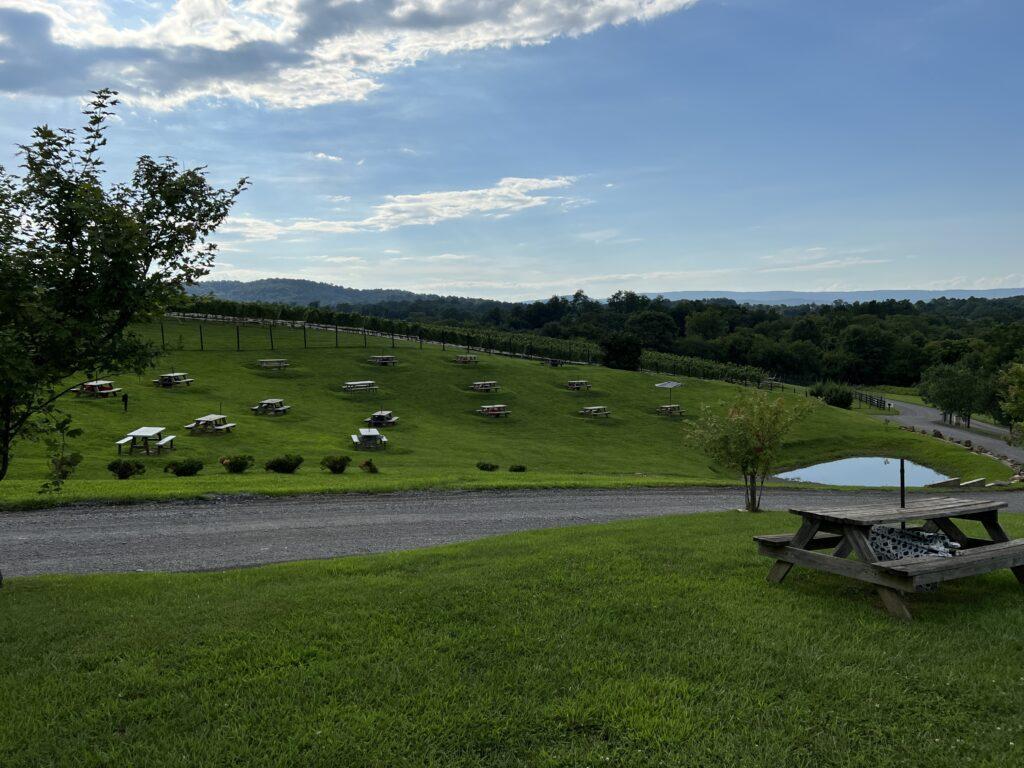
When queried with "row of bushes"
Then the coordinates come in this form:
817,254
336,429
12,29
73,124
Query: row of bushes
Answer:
839,395
699,368
486,466
236,465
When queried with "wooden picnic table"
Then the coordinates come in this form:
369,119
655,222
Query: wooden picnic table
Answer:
369,440
146,439
276,362
272,406
485,386
595,410
493,410
466,359
98,388
173,380
578,384
360,386
670,409
384,360
847,531
381,419
211,423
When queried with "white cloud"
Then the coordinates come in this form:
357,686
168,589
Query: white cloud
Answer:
509,195
282,53
329,158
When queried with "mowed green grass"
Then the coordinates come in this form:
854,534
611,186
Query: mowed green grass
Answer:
439,439
645,643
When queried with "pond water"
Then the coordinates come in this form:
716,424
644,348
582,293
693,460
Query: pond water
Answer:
865,470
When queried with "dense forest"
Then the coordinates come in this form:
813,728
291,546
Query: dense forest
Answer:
884,342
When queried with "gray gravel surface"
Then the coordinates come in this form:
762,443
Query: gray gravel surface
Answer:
234,532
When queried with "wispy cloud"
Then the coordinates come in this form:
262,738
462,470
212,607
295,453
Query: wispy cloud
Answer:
328,157
509,195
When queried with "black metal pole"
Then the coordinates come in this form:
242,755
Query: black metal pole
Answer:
271,329
202,344
903,484
163,341
238,339
305,344
335,337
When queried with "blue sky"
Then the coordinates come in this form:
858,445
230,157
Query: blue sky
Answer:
516,149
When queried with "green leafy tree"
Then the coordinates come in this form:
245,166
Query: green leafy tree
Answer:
952,389
656,330
621,350
747,437
1010,387
81,260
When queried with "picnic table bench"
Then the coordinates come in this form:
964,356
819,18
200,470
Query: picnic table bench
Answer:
369,440
272,406
211,423
595,410
578,384
381,419
360,386
485,386
847,531
98,388
145,438
493,410
670,409
384,360
275,363
173,380
466,359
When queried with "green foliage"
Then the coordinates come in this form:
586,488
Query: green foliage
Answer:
369,467
336,465
486,466
125,468
1010,388
517,468
701,369
81,260
621,350
236,465
748,437
184,467
953,389
837,395
285,465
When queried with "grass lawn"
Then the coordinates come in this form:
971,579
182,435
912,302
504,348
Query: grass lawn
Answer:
440,438
646,643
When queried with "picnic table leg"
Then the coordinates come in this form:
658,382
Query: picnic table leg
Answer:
802,538
891,599
992,527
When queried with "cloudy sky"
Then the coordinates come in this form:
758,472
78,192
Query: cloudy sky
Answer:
518,148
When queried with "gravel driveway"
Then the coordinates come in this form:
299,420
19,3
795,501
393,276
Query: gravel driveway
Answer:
208,535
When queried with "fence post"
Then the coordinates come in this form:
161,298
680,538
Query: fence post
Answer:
163,341
305,344
202,343
271,329
364,337
238,339
335,336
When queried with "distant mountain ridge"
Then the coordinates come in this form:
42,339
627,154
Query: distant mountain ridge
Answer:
303,292
794,298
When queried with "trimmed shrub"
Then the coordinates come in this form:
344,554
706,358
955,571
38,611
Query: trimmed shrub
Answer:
369,466
837,395
517,468
285,465
236,465
184,468
335,464
125,468
486,466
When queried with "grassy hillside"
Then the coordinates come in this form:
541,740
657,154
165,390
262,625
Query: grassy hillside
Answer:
440,438
652,643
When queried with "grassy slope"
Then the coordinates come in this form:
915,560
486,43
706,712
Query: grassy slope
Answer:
440,438
633,644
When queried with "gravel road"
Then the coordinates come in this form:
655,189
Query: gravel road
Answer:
234,532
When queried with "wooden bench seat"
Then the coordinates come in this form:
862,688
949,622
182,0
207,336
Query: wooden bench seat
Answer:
967,562
122,443
225,427
167,442
820,541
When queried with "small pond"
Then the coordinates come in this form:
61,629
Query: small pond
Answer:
865,470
